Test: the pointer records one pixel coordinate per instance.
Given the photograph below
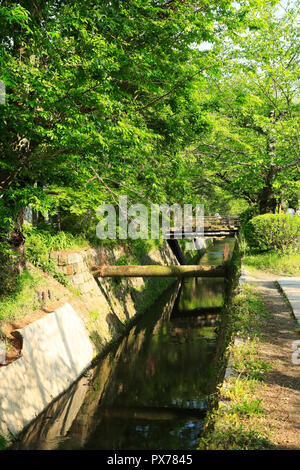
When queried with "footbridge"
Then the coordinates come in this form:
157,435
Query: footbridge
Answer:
213,227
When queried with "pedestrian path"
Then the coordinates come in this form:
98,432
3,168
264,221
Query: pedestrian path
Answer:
291,288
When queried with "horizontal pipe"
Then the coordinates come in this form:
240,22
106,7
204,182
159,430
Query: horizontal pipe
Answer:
159,271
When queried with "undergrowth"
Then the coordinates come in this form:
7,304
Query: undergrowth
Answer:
39,244
3,442
23,299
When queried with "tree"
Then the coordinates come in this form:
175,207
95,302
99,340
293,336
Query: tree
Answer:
252,111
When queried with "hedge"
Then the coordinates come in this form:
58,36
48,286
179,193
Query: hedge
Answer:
277,232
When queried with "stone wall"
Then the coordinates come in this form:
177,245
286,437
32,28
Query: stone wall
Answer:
76,266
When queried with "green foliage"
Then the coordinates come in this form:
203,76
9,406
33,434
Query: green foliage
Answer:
247,313
55,240
122,261
278,232
233,435
23,299
245,361
241,392
40,243
140,248
247,317
235,425
249,146
243,244
100,99
249,213
249,407
3,442
216,199
94,315
7,262
137,250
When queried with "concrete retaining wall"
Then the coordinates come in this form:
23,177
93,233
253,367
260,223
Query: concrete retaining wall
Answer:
56,350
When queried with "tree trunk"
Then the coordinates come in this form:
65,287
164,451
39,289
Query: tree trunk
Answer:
267,202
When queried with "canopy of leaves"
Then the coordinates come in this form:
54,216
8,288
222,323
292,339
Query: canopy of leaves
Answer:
97,96
118,96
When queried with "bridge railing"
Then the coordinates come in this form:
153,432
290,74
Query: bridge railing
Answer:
211,221
226,221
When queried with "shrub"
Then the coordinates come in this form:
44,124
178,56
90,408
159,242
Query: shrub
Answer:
8,261
277,232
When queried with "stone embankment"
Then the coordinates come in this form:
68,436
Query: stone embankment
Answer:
60,345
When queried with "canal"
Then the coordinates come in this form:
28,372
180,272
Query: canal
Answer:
152,390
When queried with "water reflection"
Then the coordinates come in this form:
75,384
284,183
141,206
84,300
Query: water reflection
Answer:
214,254
198,294
156,396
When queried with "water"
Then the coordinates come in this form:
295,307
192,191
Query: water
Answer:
152,390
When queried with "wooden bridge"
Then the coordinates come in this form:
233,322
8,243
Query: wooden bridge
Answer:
214,227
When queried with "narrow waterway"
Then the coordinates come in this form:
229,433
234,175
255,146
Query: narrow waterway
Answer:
151,391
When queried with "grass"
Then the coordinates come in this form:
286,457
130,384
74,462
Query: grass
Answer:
247,313
23,300
235,421
245,362
276,263
137,250
35,238
39,244
3,442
